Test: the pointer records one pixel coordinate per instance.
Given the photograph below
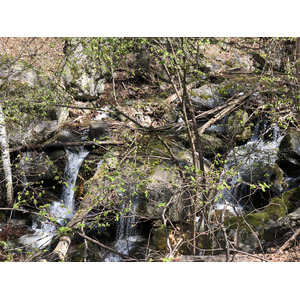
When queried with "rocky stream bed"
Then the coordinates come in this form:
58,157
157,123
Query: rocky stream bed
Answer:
94,163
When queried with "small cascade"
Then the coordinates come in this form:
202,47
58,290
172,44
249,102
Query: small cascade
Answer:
64,209
102,114
251,161
60,210
127,236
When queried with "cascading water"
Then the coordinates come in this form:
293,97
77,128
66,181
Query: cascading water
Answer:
60,210
127,237
253,162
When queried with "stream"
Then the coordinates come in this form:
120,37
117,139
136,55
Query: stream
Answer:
127,236
62,210
255,161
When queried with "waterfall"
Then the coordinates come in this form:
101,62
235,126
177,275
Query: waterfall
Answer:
64,209
260,153
127,236
60,210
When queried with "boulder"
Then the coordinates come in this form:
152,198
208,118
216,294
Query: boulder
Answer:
210,143
43,166
35,132
236,126
282,226
82,76
256,161
289,157
209,96
164,185
98,131
35,96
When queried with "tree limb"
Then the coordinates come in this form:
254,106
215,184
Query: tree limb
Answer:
60,145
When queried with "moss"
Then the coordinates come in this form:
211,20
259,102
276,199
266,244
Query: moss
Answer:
236,125
278,208
210,143
159,239
227,89
289,199
256,221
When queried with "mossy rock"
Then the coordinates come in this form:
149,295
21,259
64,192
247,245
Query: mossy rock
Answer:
278,208
210,143
159,240
291,144
256,221
227,89
236,125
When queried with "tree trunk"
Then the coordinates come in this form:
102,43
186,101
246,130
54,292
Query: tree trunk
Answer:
6,160
298,58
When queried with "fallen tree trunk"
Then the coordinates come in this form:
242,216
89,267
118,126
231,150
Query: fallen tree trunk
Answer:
59,145
220,115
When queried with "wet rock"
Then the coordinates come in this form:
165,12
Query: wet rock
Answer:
289,157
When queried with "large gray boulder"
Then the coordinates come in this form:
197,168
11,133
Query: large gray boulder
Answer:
209,96
82,75
35,132
30,98
164,185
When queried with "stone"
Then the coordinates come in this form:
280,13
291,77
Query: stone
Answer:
35,132
164,185
82,75
33,122
209,96
210,143
277,229
289,156
236,126
98,131
205,97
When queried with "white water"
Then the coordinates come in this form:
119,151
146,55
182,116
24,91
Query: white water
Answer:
127,236
102,114
60,210
256,153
